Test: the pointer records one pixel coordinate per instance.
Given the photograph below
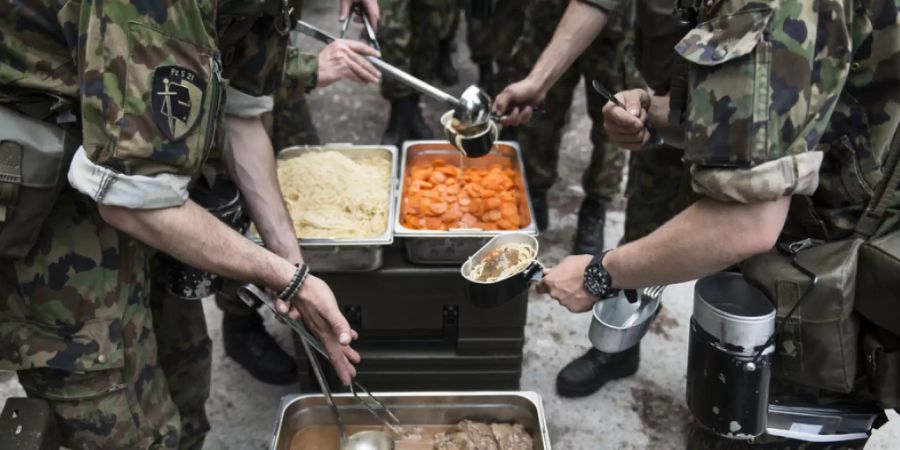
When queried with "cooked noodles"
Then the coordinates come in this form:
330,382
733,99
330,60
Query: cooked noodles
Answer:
502,263
330,195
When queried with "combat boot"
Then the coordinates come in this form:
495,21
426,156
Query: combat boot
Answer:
247,342
588,373
446,71
591,219
541,210
405,123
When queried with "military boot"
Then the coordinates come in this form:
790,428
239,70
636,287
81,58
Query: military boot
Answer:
405,122
591,219
591,371
541,210
446,71
247,342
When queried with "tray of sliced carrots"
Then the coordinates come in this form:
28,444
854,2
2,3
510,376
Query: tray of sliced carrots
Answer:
452,204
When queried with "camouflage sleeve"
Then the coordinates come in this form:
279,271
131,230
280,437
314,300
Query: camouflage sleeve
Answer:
150,96
763,84
254,55
300,73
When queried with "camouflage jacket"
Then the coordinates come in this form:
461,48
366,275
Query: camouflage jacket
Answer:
790,97
147,80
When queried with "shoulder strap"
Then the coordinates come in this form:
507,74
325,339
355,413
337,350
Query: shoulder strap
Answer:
871,219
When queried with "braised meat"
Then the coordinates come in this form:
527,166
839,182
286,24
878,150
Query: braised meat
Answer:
471,435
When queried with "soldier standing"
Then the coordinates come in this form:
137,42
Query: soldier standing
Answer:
409,40
780,169
244,335
131,96
603,60
658,182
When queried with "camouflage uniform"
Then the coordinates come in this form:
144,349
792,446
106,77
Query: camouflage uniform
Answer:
83,318
409,39
658,181
290,121
492,40
787,99
604,60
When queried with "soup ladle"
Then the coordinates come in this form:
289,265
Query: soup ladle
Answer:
363,440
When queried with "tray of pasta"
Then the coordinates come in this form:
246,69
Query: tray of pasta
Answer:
341,199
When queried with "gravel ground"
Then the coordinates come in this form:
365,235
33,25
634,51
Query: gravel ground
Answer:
646,411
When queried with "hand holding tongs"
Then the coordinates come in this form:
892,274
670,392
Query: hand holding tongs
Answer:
655,137
357,9
251,294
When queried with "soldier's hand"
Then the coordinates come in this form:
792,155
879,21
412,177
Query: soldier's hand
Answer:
627,127
515,104
343,59
565,283
371,7
318,308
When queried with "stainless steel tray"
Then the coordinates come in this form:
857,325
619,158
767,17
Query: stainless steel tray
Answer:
350,255
455,246
416,408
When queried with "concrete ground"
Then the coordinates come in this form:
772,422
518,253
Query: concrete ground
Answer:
646,411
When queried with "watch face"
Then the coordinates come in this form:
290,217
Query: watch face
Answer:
596,281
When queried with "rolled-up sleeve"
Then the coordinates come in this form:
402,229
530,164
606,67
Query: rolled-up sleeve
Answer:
606,5
150,97
763,88
111,188
240,104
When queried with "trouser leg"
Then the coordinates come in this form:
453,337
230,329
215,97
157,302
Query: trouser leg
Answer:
185,357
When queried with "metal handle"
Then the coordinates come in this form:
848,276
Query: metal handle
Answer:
404,77
251,294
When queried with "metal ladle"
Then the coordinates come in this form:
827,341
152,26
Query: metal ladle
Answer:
363,440
471,109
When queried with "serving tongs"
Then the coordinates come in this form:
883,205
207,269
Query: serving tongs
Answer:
357,10
655,137
251,294
471,109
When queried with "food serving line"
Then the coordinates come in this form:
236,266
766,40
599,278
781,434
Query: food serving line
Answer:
403,292
429,353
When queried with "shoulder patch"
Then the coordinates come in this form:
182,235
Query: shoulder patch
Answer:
176,99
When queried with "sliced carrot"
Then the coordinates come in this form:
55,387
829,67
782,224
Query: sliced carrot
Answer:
438,208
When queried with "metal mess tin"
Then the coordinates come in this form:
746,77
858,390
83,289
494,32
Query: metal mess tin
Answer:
456,245
416,408
349,255
619,324
730,356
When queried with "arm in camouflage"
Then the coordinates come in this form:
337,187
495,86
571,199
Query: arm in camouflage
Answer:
149,99
300,73
766,79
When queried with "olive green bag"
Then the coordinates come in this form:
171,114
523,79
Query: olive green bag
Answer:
34,158
821,289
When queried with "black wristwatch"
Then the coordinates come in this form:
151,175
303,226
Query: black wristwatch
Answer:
597,280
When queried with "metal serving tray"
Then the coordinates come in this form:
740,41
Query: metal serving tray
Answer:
350,255
416,408
455,246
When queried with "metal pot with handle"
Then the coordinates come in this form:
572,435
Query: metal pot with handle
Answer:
489,294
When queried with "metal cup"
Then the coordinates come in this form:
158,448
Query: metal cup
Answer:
619,324
473,142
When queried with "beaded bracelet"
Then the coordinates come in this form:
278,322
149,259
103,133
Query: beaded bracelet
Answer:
296,282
